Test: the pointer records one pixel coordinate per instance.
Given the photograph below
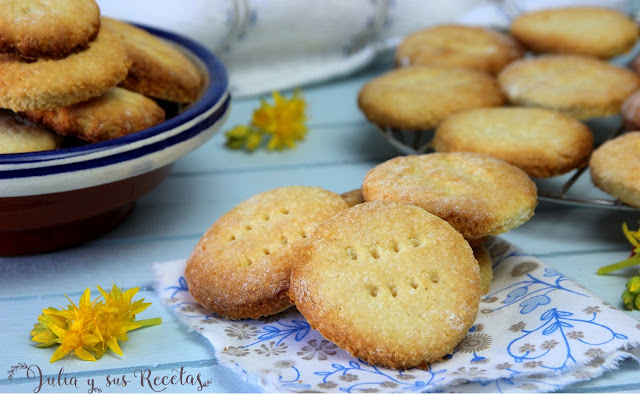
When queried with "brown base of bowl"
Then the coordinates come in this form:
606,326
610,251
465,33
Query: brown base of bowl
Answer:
49,222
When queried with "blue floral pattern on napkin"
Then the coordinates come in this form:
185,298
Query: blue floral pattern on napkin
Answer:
536,331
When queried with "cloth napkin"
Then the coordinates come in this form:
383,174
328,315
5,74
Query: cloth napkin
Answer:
536,331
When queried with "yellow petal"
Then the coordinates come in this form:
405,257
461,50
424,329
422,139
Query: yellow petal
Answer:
60,352
113,345
83,354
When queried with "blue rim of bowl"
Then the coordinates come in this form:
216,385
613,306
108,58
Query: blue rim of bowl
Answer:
214,93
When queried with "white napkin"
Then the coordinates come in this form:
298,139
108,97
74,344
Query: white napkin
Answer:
536,331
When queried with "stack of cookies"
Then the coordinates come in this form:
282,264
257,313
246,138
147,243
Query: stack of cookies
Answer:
67,71
473,89
386,272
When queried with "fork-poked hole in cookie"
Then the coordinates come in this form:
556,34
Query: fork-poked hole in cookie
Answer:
283,240
351,253
434,277
246,263
375,254
372,290
393,290
284,211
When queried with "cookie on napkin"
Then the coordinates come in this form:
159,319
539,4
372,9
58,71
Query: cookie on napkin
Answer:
477,194
240,267
388,282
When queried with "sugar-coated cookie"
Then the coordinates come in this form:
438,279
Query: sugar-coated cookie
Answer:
477,194
580,86
240,267
615,167
116,113
541,142
47,84
593,31
19,136
486,267
420,97
459,46
388,282
353,197
33,29
157,69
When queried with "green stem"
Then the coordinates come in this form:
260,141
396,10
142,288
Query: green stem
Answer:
631,261
149,322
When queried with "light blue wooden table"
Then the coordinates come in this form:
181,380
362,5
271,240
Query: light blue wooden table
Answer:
166,224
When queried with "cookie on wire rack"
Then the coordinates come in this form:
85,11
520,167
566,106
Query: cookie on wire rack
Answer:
580,86
420,97
541,142
459,46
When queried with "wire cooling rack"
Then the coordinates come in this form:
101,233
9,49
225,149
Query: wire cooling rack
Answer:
573,188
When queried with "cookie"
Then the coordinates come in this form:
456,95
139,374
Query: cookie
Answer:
459,46
483,257
116,113
592,31
420,97
390,283
19,136
615,167
48,84
353,197
477,194
630,112
240,267
579,86
157,69
47,28
541,142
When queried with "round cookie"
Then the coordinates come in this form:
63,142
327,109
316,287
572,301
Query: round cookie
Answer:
47,84
459,46
353,197
116,113
615,167
486,267
420,97
477,194
541,142
19,136
593,31
579,86
390,283
157,69
240,267
47,28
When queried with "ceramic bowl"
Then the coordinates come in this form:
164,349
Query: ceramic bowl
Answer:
51,200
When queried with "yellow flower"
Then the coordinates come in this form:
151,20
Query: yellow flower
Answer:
283,122
91,327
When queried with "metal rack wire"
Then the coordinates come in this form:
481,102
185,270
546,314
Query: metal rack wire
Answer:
418,142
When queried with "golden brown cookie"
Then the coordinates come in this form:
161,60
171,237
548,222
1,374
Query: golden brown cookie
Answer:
580,86
47,28
477,194
459,46
486,267
240,267
116,113
420,97
541,142
593,31
615,167
47,84
353,197
390,283
158,69
18,135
